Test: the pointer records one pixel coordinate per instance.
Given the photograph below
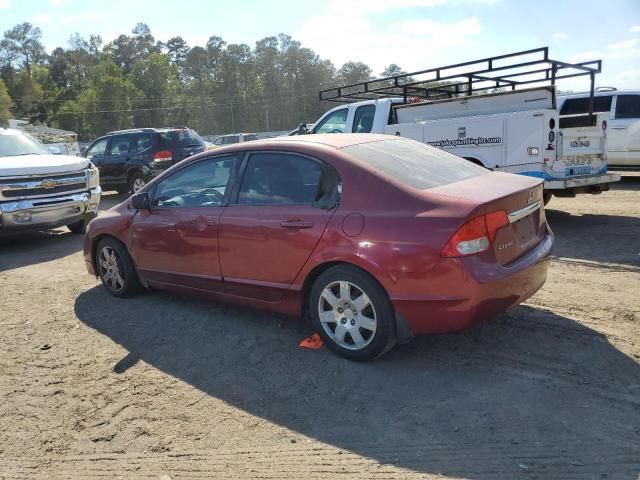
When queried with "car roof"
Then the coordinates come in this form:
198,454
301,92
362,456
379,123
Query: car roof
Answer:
145,130
335,140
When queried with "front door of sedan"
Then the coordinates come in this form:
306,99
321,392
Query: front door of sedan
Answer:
283,205
175,242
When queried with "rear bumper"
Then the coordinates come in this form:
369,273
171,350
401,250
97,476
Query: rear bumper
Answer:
49,212
588,184
477,294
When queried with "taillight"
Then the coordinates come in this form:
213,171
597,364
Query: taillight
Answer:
163,156
476,235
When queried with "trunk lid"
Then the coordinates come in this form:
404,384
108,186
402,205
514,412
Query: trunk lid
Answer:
518,196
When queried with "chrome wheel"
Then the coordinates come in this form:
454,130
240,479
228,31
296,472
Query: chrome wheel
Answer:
137,184
109,263
347,315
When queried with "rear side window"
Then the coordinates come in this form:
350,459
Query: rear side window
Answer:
140,142
272,178
181,138
628,106
578,106
415,164
250,137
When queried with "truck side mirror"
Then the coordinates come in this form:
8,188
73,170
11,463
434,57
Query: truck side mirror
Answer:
302,129
140,201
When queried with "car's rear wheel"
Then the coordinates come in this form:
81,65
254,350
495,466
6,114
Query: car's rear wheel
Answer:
352,313
116,269
136,182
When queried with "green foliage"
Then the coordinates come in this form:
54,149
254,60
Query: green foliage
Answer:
5,105
136,81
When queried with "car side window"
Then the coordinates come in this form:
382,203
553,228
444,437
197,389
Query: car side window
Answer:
201,184
119,145
97,149
628,106
578,106
363,119
275,178
141,142
218,141
230,139
335,122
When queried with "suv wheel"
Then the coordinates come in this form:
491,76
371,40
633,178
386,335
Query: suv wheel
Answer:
136,182
352,313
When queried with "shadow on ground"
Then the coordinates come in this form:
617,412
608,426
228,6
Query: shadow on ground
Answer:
531,395
37,247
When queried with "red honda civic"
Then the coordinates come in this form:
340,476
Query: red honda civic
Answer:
376,238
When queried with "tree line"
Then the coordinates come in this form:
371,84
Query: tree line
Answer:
137,81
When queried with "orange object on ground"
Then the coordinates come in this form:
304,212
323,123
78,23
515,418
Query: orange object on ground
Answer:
314,342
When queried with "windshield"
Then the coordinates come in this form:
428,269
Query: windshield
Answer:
14,143
181,138
415,164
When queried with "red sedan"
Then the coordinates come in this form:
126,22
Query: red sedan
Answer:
377,238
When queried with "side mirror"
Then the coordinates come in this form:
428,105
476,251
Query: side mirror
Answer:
140,201
302,129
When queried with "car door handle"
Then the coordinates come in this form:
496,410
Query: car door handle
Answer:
296,224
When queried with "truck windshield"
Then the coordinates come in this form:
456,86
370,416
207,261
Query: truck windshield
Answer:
13,144
415,164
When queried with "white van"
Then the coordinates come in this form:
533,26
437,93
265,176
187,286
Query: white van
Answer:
623,132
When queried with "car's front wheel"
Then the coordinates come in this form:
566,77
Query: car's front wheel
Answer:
115,268
352,313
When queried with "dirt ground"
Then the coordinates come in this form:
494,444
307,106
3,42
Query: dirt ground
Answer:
167,387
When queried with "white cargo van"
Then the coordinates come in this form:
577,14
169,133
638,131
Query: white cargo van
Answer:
623,133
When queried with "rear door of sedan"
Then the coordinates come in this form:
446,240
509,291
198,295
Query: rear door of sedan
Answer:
282,206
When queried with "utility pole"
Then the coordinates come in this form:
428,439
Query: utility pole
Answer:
266,114
233,124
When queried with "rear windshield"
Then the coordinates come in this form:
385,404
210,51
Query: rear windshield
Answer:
181,138
414,163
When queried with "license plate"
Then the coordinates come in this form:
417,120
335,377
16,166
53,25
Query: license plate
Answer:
572,171
525,229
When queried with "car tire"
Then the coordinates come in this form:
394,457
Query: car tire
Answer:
136,182
352,313
115,268
78,227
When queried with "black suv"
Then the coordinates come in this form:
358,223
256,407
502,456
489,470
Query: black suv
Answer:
128,159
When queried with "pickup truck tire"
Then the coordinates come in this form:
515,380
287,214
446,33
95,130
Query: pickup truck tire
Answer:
78,227
115,268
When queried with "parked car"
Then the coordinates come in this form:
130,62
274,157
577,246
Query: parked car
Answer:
128,159
234,138
378,237
623,132
39,190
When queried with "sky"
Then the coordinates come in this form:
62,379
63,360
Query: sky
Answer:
415,34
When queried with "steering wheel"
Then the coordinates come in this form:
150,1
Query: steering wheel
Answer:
335,130
205,195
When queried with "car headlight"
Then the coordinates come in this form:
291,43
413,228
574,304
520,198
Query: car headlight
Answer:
93,176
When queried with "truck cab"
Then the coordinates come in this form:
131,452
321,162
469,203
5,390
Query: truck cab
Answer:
369,116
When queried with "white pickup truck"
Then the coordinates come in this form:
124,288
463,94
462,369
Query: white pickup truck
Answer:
515,131
39,190
499,112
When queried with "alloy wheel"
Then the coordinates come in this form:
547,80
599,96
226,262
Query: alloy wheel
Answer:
110,272
137,185
347,315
